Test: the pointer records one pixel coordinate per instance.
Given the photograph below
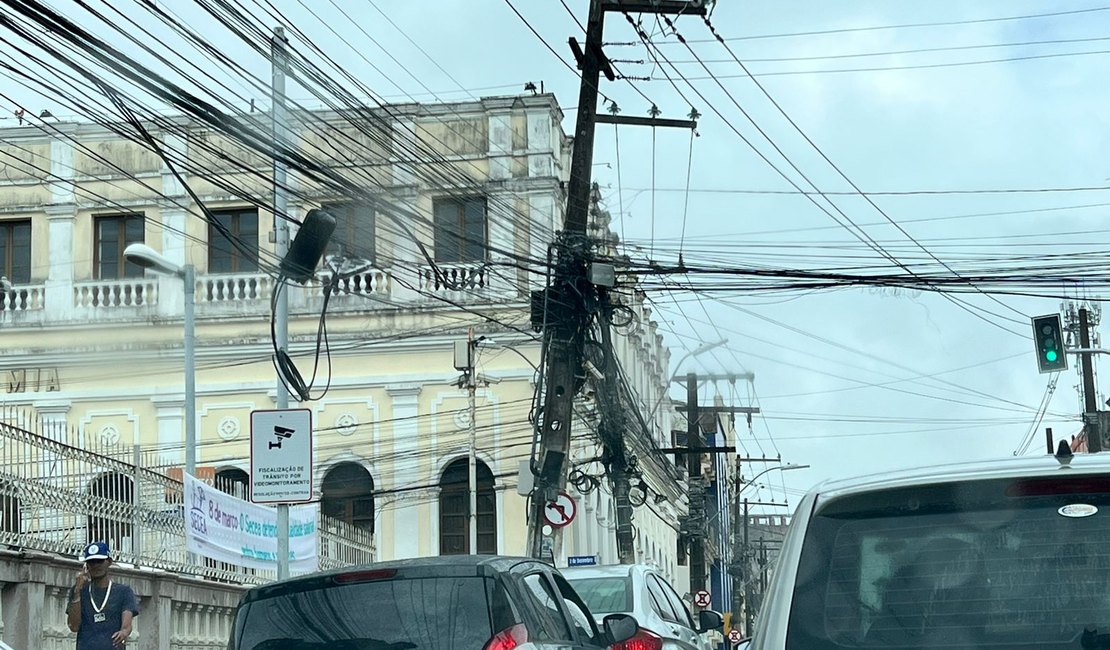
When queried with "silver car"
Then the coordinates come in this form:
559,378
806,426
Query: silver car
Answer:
639,590
989,554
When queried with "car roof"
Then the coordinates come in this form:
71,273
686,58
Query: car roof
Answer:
1012,467
424,567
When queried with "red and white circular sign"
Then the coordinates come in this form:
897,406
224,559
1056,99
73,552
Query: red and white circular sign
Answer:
734,636
702,598
560,512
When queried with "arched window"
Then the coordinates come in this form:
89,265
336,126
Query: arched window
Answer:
233,481
348,495
10,519
454,505
109,519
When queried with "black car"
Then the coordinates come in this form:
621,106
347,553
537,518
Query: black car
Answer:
460,602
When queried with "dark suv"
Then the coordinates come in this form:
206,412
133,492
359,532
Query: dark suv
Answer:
438,603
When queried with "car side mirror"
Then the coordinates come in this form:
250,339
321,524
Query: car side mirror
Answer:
619,627
709,620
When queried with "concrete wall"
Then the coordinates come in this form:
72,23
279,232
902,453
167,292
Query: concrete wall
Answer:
176,613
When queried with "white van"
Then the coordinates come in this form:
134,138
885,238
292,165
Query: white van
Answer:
1007,554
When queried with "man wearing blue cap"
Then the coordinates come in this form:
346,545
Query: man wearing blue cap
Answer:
100,610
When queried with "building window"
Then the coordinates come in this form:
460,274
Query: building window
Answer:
240,253
454,505
113,234
107,521
355,230
15,251
460,230
233,481
10,514
348,495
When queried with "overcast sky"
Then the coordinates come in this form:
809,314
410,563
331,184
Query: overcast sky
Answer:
853,380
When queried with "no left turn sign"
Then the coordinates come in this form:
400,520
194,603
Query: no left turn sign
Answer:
561,511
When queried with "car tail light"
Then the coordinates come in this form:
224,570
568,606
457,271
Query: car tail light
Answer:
508,639
643,640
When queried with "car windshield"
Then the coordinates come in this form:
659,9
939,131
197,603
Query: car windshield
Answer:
605,595
987,564
412,614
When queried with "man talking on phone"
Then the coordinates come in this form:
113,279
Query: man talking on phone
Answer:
100,611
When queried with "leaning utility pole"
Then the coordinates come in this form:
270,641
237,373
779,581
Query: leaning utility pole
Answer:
572,293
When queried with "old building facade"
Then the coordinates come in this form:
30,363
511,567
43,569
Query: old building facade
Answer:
467,198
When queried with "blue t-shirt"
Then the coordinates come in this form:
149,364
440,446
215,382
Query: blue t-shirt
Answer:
96,634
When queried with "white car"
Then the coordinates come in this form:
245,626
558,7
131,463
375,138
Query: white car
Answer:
639,590
1012,553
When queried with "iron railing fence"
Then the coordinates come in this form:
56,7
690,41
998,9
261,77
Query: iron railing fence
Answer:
61,488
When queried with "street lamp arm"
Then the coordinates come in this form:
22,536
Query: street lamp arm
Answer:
701,349
502,346
148,258
752,480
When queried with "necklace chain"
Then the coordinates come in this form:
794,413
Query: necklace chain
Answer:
104,602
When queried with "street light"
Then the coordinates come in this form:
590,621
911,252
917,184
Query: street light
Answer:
148,258
786,468
740,547
701,349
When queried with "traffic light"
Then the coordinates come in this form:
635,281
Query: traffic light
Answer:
1049,337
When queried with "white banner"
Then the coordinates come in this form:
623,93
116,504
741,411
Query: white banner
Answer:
226,529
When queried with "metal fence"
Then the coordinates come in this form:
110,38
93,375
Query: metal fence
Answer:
59,491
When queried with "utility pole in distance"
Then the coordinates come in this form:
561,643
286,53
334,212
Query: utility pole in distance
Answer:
1090,402
695,490
571,295
696,524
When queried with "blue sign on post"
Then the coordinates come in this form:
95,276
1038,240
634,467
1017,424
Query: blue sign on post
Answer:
582,560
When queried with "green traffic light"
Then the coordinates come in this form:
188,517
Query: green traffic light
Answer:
1050,355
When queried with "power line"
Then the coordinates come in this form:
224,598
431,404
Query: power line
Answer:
949,23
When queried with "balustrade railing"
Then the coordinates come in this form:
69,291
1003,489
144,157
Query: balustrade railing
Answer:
454,277
105,294
21,298
234,288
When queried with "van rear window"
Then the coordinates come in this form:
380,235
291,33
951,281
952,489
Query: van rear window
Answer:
987,564
429,613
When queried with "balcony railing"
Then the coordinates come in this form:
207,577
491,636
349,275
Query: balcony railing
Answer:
470,276
234,288
241,294
102,294
370,282
22,298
